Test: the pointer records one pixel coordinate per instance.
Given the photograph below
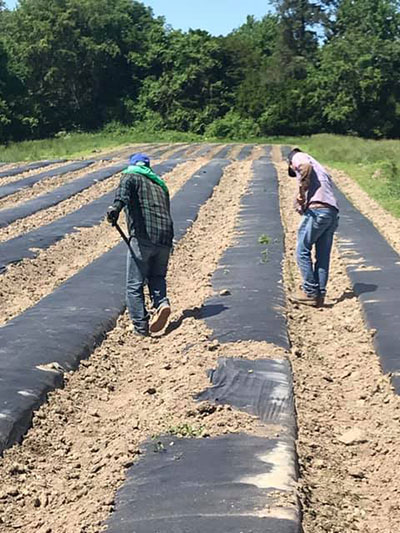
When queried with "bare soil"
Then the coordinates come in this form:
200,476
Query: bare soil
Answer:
387,224
28,173
348,414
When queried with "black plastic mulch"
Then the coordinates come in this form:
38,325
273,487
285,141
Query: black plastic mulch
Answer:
223,153
227,483
29,166
250,272
25,183
219,485
375,276
261,387
245,152
52,198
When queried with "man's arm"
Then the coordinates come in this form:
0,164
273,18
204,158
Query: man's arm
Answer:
122,198
305,170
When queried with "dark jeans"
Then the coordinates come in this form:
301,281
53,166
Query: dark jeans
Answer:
316,228
148,264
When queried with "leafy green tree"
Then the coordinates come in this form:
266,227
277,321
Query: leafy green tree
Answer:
187,88
72,56
357,84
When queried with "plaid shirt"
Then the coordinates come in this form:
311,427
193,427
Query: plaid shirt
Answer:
147,209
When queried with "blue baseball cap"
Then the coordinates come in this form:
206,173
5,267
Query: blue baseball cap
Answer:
139,158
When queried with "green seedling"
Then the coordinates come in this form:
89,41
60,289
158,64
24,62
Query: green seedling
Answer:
158,447
264,256
264,239
186,431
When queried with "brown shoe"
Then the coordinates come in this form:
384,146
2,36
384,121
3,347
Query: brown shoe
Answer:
320,300
303,298
160,318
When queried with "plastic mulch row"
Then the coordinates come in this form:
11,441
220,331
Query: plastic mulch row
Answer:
25,183
31,166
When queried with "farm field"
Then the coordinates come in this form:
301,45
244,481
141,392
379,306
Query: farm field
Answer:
104,401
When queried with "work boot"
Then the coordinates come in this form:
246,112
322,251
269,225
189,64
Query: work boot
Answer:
160,317
320,300
303,298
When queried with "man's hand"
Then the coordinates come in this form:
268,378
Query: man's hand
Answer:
300,199
300,204
112,215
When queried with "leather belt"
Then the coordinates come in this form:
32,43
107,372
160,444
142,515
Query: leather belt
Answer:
320,205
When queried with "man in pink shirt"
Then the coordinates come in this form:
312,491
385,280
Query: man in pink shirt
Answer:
315,200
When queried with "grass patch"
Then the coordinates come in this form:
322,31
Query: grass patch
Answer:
73,145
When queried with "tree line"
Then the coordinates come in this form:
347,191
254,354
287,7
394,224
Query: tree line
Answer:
308,67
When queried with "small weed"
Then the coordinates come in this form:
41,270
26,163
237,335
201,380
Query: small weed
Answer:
186,431
264,239
159,447
264,256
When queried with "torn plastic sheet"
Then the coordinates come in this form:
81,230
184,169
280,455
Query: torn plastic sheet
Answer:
235,483
261,387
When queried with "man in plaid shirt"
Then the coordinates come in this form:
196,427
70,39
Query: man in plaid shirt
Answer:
144,197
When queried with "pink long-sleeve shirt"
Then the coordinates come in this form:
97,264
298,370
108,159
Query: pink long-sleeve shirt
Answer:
321,185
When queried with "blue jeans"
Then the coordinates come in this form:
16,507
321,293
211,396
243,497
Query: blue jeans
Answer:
316,228
147,264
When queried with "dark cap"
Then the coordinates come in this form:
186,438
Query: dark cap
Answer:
291,172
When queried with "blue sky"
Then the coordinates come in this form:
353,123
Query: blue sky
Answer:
216,16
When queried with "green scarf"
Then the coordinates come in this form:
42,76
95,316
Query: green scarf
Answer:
148,172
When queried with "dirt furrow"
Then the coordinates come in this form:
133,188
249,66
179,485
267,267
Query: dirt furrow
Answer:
28,173
257,152
235,151
386,224
348,415
48,185
25,283
65,474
